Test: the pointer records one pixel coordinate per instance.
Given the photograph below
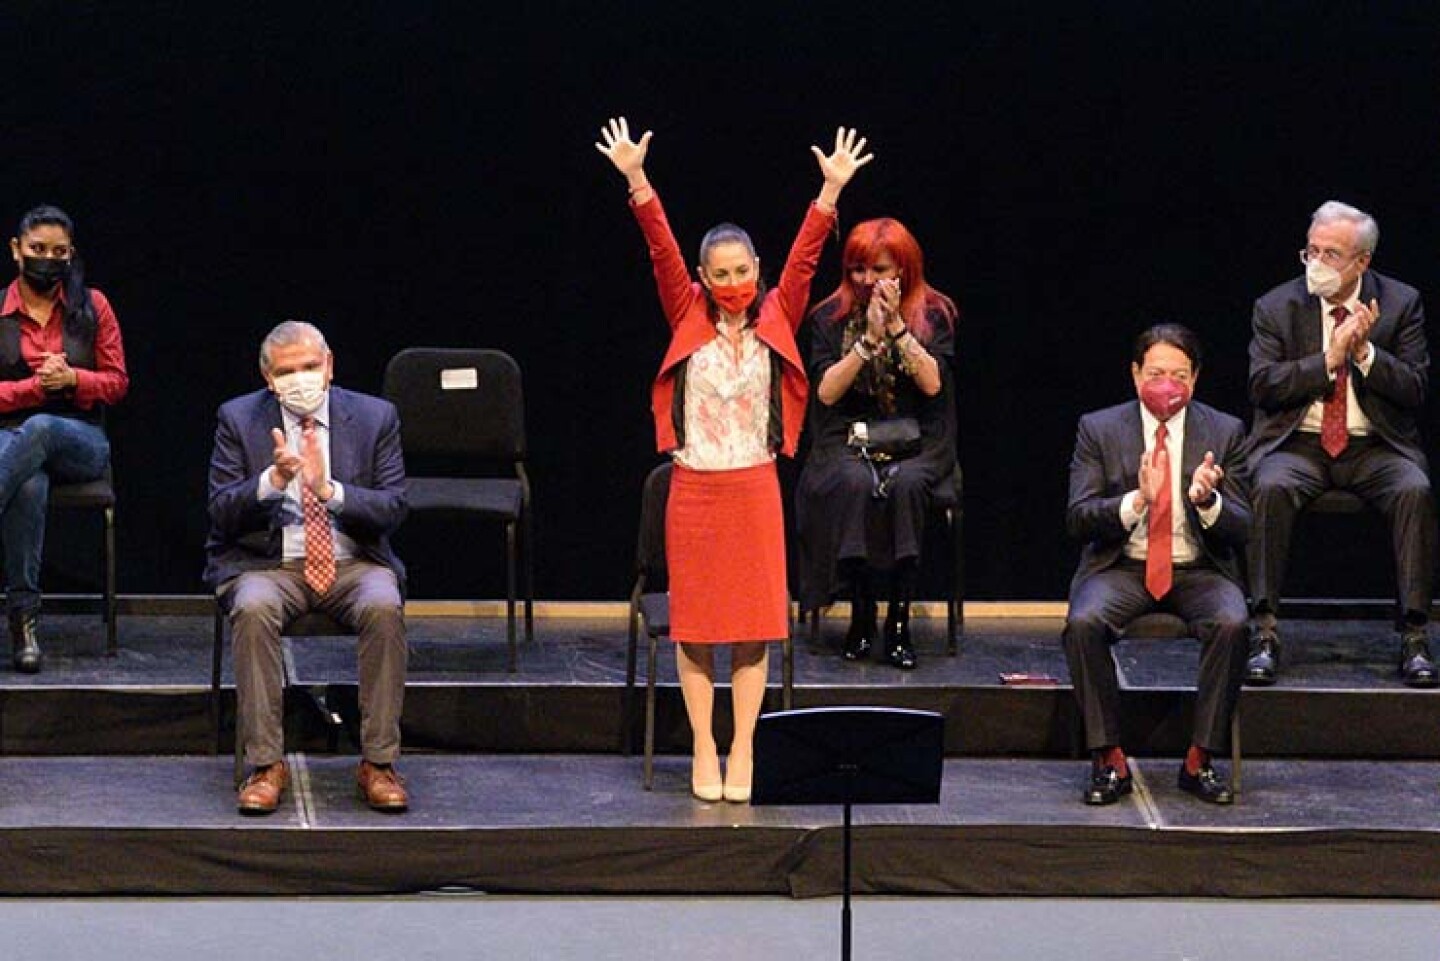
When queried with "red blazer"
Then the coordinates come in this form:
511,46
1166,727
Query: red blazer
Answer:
691,328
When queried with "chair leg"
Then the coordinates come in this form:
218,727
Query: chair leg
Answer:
815,628
112,643
215,658
649,778
1235,749
956,615
787,683
510,592
527,556
627,706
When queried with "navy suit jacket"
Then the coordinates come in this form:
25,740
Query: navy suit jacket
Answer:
1109,444
365,456
1287,364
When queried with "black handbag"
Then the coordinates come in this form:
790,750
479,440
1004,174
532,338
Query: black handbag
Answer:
893,438
886,443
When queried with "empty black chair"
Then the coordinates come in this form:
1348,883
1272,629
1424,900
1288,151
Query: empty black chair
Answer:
462,423
650,612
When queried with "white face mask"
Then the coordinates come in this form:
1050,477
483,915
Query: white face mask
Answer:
1321,279
302,392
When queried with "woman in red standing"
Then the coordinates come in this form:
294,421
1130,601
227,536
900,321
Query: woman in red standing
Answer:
730,394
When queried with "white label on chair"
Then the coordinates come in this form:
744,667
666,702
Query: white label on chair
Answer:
459,378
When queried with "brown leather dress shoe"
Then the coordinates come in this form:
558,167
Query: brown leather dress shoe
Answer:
382,787
260,794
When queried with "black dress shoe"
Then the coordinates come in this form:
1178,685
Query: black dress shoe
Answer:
25,641
1206,785
1264,659
1107,786
899,649
1416,664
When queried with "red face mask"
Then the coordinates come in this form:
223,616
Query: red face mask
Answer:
1164,397
734,298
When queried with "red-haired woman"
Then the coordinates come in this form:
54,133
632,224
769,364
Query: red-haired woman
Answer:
881,350
731,393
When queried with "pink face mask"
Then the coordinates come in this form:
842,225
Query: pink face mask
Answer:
1164,397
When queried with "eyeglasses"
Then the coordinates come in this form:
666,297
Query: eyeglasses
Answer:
1327,255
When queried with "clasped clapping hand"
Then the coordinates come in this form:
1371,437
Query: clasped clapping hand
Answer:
55,372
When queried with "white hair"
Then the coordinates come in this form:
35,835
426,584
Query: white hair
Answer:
1367,233
290,332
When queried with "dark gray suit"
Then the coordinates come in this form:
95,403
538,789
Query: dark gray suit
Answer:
1388,469
244,564
1108,591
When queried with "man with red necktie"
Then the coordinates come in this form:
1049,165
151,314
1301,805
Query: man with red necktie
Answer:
1157,499
307,483
1338,375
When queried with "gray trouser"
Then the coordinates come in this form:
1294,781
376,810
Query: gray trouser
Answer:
366,599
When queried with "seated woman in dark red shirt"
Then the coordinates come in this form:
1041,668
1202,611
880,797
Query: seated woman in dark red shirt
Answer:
61,362
730,395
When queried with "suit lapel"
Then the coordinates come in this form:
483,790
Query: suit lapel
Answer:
1133,439
342,466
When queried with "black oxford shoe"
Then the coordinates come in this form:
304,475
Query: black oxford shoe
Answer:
858,643
1107,786
1206,785
1264,660
1416,664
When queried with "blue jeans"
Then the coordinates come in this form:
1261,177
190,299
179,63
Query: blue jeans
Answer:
46,447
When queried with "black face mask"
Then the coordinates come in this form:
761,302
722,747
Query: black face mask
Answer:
43,273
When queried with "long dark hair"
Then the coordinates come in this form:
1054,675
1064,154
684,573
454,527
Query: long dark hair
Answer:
79,311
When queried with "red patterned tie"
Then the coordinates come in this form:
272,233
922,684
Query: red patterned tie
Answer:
1334,434
1159,560
319,541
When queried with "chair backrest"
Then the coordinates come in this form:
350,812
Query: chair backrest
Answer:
650,550
458,403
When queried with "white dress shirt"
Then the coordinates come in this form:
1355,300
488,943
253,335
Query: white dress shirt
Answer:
1356,423
293,542
1185,543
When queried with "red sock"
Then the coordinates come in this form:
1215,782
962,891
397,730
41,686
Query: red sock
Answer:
1114,757
1196,758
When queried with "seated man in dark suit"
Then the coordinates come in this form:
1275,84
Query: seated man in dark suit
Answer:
1156,497
307,483
1338,374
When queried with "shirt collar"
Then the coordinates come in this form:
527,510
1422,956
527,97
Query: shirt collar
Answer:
15,304
1175,426
321,414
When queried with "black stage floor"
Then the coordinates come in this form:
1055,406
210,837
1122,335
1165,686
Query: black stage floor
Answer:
109,783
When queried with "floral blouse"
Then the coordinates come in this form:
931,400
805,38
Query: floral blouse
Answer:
727,405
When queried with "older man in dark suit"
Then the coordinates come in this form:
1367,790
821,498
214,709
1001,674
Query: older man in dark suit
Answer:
307,483
1338,375
1156,495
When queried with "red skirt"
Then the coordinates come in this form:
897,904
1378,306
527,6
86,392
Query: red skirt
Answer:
725,546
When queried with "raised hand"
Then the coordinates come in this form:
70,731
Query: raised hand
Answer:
1206,480
627,155
847,157
285,465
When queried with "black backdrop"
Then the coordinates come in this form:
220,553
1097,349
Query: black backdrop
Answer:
417,173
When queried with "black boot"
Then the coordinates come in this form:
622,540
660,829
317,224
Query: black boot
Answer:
899,650
25,643
860,638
